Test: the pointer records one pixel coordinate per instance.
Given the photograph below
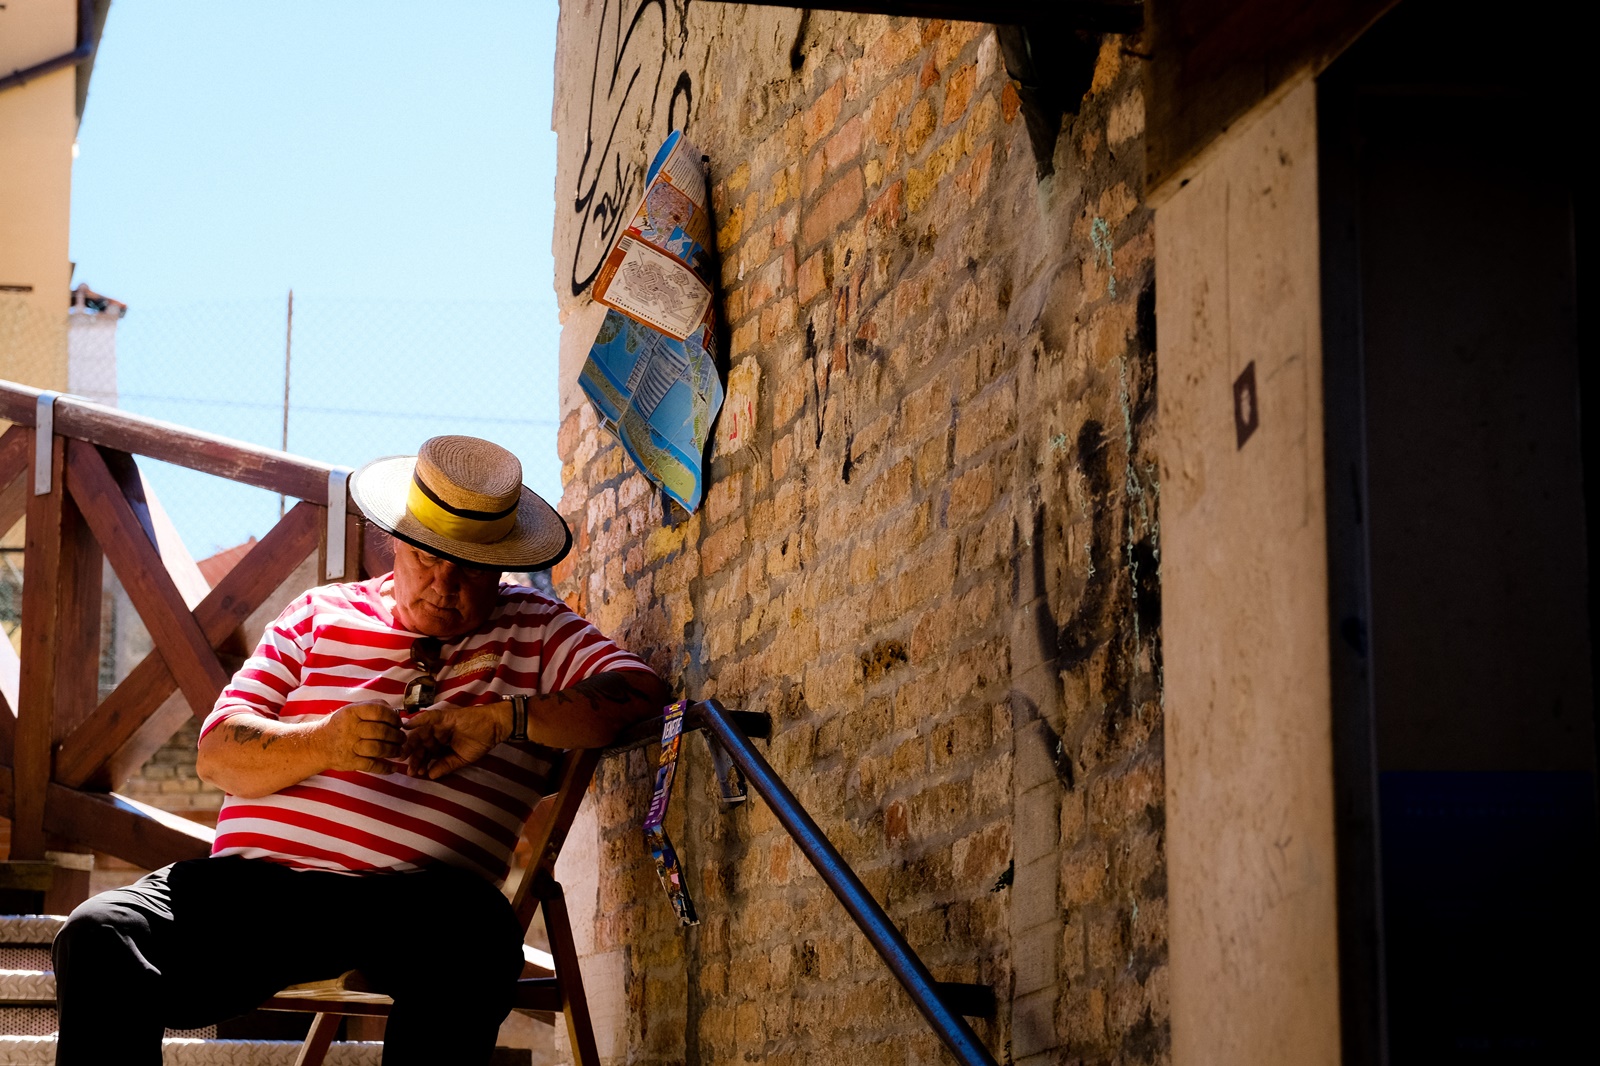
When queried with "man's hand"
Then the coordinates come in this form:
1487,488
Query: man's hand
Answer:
443,739
362,736
589,714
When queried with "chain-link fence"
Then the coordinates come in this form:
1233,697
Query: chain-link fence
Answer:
33,335
366,378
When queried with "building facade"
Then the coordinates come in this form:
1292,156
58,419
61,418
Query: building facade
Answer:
46,52
1247,717
929,546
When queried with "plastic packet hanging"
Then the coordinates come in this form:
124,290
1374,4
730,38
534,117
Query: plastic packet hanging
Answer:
655,834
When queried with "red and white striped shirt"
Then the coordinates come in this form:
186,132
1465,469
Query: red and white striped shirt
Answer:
341,644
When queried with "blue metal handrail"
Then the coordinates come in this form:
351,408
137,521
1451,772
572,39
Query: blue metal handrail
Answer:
902,961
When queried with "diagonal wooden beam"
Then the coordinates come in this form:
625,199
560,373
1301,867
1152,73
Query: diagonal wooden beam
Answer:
16,452
138,565
126,728
119,717
133,831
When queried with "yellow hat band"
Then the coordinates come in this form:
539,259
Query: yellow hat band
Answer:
456,526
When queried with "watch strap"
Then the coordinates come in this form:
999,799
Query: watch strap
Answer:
519,719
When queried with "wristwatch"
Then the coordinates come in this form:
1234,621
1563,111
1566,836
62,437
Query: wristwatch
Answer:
519,718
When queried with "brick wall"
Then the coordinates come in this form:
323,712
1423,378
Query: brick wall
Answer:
929,549
168,780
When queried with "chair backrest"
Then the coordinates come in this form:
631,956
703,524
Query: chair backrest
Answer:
548,825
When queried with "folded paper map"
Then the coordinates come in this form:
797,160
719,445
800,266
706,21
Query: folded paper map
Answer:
652,371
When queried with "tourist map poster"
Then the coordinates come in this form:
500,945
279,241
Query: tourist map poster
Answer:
651,373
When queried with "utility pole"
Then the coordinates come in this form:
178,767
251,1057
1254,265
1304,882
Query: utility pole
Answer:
288,350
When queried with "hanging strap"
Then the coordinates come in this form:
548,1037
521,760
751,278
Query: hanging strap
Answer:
655,834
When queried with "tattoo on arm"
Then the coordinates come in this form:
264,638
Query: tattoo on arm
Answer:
629,694
612,688
246,733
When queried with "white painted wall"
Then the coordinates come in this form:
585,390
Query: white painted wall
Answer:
1249,780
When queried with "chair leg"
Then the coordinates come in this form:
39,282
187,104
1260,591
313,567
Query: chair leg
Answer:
312,1052
573,1002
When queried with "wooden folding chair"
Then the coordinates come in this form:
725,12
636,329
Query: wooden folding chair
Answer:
540,992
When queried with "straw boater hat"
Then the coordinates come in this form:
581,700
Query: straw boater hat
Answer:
463,499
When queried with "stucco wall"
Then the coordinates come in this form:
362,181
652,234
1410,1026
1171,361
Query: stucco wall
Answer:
38,123
931,551
1248,752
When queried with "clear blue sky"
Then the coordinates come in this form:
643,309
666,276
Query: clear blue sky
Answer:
392,163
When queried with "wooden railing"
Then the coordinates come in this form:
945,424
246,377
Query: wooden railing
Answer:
76,482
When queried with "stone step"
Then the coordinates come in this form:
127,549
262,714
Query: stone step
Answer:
28,1006
179,1051
35,929
27,986
39,1018
28,1020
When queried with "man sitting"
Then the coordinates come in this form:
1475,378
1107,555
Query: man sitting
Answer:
375,752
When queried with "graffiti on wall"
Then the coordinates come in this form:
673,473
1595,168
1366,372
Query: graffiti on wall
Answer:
637,79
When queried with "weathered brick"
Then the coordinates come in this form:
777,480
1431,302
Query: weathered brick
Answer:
745,336
886,108
894,46
771,280
721,547
970,495
789,399
844,145
813,278
777,319
1010,102
730,227
784,228
992,418
887,211
724,499
821,115
836,204
957,92
919,127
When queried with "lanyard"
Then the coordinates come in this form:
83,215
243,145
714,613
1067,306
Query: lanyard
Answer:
655,834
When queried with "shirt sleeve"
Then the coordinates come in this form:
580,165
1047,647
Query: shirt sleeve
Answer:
574,650
264,682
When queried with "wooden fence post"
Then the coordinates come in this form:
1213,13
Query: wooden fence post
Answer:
41,632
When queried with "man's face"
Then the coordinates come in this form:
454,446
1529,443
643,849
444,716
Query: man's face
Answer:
439,598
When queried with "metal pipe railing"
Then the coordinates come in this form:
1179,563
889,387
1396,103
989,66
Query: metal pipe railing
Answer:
869,916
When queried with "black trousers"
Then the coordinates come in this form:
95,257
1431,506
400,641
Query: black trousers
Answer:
202,941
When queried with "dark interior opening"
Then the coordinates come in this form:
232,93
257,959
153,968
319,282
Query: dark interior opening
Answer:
1459,546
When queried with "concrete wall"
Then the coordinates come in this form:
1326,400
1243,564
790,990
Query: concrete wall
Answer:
38,124
1248,757
931,552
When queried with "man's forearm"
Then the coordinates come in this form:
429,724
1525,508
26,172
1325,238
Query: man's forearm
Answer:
592,712
250,755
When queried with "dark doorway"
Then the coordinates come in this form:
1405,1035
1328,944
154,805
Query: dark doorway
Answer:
1459,580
